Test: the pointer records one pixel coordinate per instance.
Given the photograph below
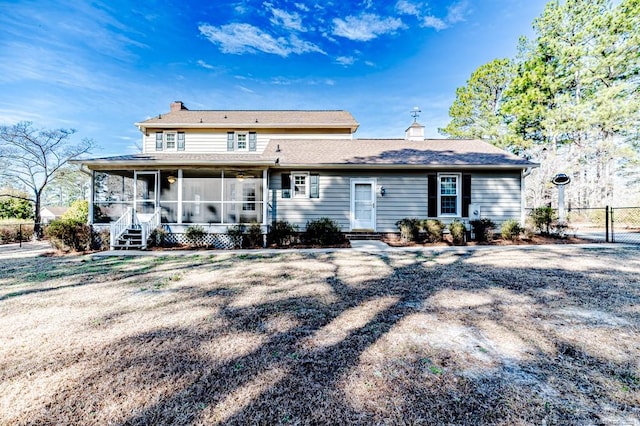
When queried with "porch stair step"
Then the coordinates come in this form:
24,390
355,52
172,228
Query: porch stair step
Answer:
130,239
364,236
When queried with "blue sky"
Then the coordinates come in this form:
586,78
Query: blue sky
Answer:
99,67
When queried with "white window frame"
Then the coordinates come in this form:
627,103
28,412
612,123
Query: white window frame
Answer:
246,141
294,194
165,146
458,177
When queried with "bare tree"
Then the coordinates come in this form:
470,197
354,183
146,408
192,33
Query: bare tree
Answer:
31,158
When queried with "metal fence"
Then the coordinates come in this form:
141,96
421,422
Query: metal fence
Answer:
17,232
625,225
604,224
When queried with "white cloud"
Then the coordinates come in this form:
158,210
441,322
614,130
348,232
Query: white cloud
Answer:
345,60
245,38
365,27
370,63
303,7
245,90
203,64
457,11
407,8
433,22
292,21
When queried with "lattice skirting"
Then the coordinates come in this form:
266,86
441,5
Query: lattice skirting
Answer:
218,241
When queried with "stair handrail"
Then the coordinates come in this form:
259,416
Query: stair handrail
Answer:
120,225
148,227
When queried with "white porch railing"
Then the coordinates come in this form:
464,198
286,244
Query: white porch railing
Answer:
120,225
148,226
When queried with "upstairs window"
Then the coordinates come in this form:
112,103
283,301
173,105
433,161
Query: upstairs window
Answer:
170,141
242,141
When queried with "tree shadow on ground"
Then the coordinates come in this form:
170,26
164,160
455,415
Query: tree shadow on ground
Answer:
379,351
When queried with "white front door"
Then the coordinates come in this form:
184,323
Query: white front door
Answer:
363,204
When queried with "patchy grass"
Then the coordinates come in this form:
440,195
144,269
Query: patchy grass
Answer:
489,337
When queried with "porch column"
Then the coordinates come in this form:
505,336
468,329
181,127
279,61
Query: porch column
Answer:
91,197
265,196
179,196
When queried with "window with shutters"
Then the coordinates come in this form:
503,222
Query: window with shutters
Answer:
449,199
170,141
242,141
300,183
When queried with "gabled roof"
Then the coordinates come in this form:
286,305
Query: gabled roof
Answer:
338,153
55,210
257,119
394,153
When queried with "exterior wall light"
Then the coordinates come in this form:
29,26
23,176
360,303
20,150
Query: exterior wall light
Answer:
382,191
171,179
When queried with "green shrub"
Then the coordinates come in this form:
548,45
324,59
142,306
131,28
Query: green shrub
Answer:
195,235
323,231
457,230
100,240
511,229
69,235
158,237
409,229
254,236
433,229
15,208
79,211
543,219
483,229
282,233
236,233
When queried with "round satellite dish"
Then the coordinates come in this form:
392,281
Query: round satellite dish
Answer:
560,179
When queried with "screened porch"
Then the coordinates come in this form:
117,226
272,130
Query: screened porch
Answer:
184,196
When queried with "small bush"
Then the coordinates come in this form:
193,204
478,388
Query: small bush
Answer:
69,235
158,237
282,233
254,236
457,230
511,229
236,233
195,235
409,229
433,229
543,219
323,231
483,229
100,240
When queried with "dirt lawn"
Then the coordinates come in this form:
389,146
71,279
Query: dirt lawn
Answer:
500,336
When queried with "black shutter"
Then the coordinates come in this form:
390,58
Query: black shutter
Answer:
180,141
433,196
253,141
230,141
466,194
159,141
286,185
314,186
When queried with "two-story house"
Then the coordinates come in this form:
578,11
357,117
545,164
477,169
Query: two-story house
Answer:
223,168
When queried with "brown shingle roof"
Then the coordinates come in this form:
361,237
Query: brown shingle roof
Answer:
392,152
252,119
387,153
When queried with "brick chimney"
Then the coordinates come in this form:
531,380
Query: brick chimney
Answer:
177,106
415,132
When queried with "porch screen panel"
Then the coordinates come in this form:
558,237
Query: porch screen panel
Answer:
244,199
112,194
202,196
169,196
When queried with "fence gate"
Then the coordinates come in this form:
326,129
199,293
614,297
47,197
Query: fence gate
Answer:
605,224
625,225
